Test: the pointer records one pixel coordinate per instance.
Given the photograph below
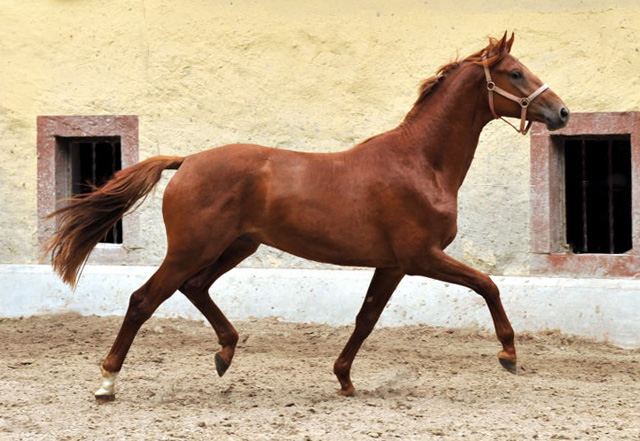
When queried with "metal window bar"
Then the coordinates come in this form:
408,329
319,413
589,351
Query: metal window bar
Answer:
94,179
116,231
610,195
583,174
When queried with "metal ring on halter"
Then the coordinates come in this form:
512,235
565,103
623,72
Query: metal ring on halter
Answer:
524,102
491,85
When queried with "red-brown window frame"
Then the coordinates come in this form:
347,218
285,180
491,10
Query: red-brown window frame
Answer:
548,237
53,171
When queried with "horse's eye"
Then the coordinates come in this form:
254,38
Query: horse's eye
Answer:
516,75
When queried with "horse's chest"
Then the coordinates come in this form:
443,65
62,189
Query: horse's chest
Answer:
434,218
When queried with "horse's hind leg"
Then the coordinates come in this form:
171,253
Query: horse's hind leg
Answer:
144,301
196,290
384,282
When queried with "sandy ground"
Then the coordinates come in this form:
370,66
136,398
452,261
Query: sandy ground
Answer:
414,383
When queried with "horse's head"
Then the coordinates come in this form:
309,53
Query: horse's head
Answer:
514,91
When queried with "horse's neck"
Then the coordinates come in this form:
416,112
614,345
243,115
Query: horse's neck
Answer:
446,128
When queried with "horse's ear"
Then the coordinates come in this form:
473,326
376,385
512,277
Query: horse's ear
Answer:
502,44
498,48
510,42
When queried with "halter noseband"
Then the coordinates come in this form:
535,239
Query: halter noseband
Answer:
524,102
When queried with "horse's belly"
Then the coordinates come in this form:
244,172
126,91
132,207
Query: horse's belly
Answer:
339,247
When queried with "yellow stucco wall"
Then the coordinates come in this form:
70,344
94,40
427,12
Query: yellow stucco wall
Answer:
315,76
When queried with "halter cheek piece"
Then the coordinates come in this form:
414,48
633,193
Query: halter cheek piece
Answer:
524,102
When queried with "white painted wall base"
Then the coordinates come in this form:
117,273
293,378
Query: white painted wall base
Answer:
605,309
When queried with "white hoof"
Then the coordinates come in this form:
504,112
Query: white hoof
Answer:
108,388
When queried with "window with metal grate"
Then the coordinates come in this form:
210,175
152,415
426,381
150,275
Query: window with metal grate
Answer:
598,194
93,161
585,208
77,152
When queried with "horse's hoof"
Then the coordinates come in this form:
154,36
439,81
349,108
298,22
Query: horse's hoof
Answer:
101,399
349,392
221,365
509,365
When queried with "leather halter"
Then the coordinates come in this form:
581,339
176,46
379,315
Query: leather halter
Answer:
524,102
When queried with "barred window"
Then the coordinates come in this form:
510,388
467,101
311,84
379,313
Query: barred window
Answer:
585,196
598,194
77,153
92,162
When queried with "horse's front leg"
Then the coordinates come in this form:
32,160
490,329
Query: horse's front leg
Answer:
438,265
384,282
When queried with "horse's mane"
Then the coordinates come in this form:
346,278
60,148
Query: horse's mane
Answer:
494,52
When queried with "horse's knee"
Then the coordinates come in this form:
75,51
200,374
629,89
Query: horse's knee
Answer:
487,288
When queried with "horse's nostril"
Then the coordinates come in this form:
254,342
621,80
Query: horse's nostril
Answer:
564,113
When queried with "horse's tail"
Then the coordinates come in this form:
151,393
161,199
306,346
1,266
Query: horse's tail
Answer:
88,218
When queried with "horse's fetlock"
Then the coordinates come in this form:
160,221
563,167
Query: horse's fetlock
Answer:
228,338
340,367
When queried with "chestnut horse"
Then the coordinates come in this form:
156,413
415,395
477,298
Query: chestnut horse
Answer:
389,203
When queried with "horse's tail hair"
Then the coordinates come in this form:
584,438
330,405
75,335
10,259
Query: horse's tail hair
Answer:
87,218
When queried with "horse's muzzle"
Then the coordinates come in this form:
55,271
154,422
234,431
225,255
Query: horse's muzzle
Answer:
557,119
